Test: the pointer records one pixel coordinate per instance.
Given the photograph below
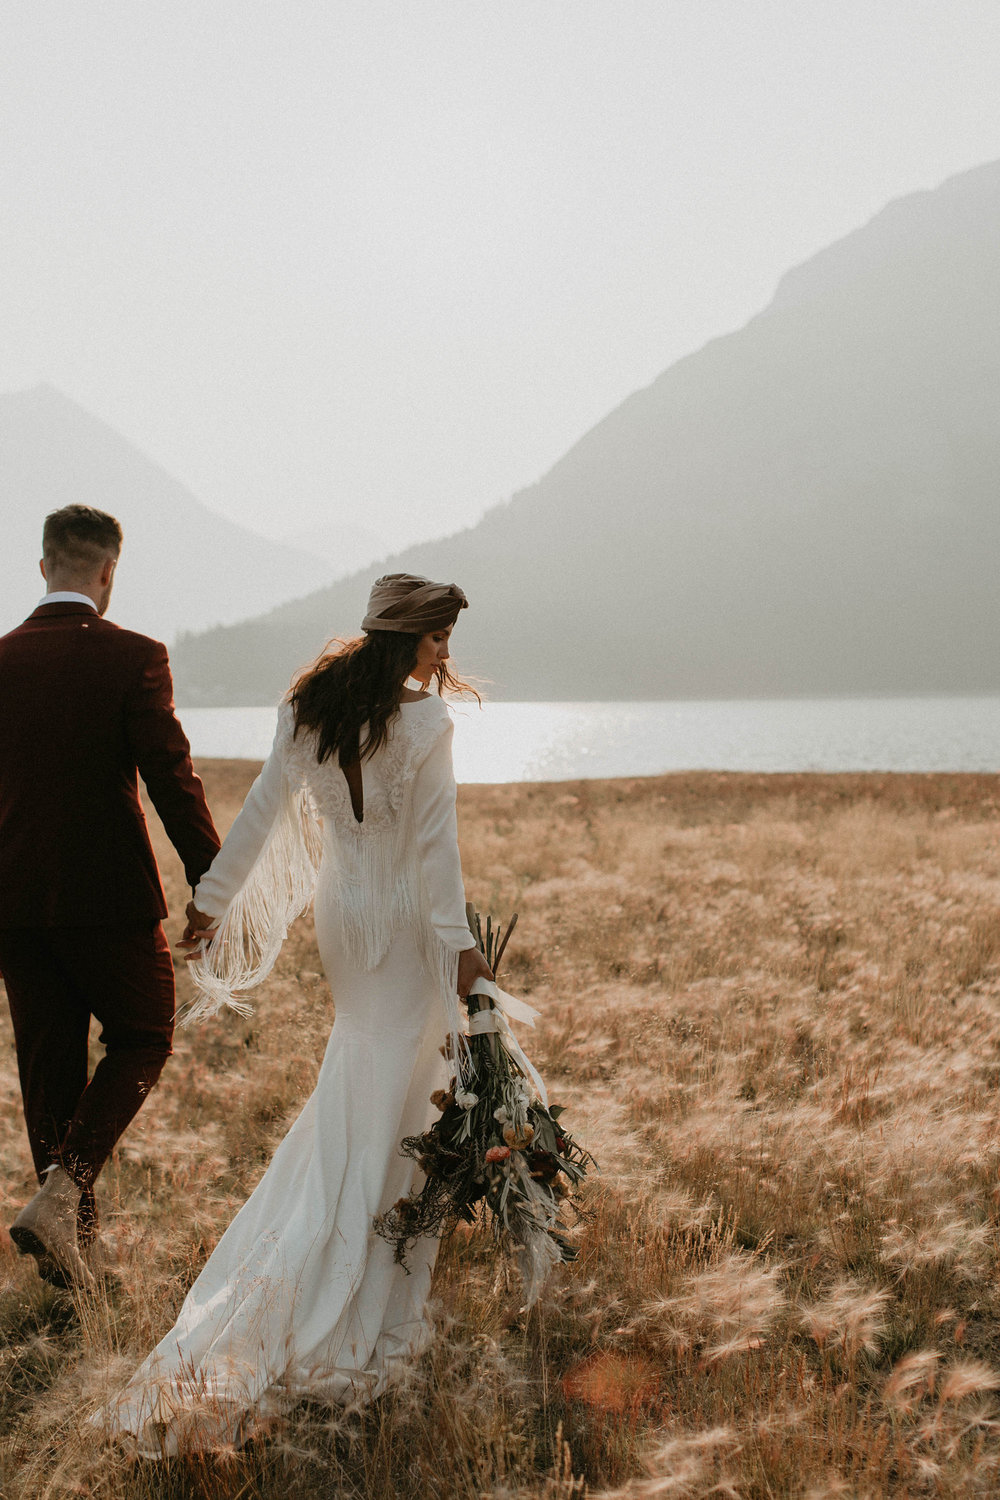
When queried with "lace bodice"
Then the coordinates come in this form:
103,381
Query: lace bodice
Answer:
386,777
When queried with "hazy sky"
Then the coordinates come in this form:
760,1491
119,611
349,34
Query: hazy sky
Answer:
387,261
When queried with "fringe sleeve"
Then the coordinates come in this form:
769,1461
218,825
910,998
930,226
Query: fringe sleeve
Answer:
278,887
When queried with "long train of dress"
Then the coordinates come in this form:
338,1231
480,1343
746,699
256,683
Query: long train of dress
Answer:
299,1294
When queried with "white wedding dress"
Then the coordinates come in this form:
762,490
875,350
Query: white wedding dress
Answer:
300,1296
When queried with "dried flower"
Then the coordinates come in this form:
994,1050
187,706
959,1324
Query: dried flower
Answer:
497,1153
543,1166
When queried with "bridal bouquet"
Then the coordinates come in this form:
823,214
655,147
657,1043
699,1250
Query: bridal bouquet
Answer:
499,1151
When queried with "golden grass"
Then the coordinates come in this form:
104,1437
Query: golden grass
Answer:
772,1008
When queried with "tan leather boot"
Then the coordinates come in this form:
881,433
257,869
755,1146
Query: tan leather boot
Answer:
46,1229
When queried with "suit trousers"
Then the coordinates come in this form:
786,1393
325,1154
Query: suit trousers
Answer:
57,978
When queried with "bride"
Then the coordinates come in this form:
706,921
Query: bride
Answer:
357,804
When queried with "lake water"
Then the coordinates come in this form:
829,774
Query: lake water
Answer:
563,741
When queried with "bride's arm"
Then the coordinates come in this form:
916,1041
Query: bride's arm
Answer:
244,841
262,878
436,824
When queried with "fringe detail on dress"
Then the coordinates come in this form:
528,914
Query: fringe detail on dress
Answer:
374,887
442,962
278,889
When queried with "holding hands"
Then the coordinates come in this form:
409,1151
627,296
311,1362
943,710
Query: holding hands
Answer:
199,929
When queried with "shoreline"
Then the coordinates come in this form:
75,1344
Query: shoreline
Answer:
928,789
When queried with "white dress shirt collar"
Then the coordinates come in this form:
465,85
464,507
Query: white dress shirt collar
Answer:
65,596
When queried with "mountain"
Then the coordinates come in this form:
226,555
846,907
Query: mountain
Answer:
806,506
182,566
345,546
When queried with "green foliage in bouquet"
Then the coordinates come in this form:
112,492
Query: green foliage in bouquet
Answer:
496,1153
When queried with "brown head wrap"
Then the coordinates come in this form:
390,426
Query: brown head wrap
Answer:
412,605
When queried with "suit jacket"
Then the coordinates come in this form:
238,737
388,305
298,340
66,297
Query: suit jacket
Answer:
84,706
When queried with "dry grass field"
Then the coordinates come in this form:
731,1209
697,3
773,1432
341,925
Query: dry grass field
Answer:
771,1006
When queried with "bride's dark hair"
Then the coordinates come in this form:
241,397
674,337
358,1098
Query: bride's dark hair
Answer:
355,685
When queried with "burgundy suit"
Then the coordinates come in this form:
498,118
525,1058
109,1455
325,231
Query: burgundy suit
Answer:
84,706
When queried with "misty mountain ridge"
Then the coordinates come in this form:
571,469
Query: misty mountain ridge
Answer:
344,545
182,567
806,506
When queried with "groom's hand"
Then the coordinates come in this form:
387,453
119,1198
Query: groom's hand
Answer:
199,928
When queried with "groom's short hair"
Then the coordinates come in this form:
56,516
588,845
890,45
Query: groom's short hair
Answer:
80,536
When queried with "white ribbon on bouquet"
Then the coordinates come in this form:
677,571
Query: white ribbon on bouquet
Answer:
507,1008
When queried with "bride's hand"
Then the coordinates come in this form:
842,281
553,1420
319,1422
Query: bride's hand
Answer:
199,928
471,966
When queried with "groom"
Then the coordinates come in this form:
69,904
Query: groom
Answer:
84,706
